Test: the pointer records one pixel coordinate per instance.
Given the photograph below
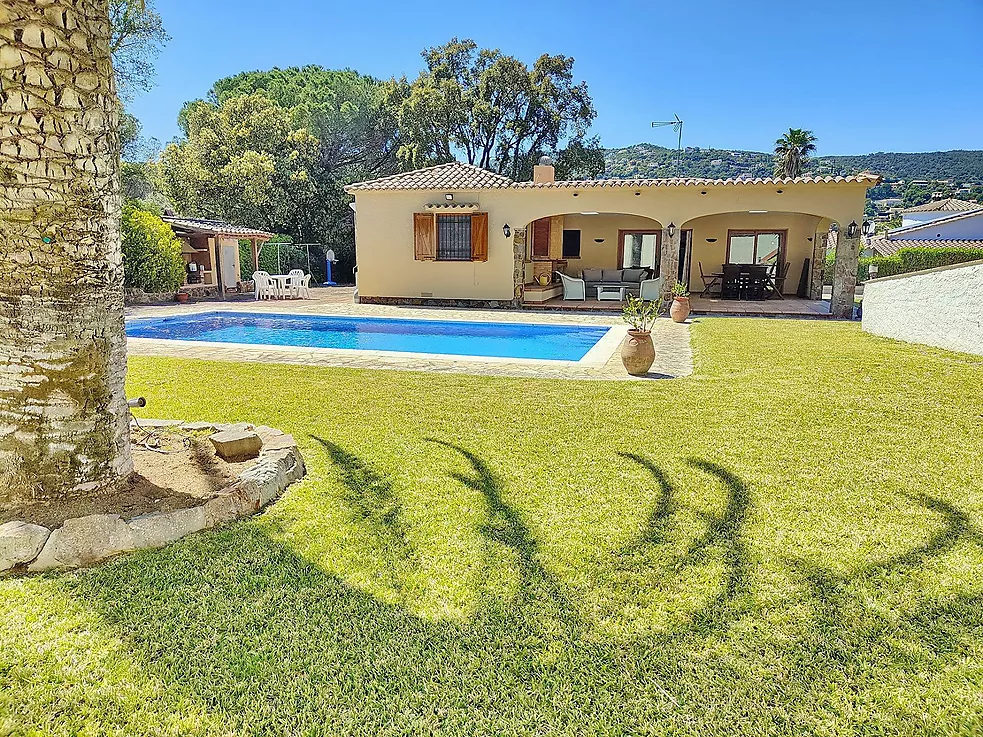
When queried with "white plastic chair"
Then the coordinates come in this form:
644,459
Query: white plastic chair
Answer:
573,288
304,292
294,282
264,288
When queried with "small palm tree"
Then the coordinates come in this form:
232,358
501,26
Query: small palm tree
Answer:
792,152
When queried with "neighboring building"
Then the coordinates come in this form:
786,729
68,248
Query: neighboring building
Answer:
936,210
456,232
944,224
210,249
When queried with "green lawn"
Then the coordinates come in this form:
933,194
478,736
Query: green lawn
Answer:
788,542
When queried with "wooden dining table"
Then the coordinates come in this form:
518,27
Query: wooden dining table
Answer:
771,286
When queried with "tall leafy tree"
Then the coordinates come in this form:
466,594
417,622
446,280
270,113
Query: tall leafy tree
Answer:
274,149
792,151
64,429
493,109
137,37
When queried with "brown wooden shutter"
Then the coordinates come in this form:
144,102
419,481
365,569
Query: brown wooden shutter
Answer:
541,238
479,236
424,237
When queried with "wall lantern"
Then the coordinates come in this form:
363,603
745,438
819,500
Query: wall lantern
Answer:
868,228
671,230
852,229
449,197
711,240
507,231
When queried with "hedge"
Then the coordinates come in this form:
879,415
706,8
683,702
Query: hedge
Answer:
907,260
151,253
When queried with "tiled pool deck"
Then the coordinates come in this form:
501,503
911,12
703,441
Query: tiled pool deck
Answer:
672,348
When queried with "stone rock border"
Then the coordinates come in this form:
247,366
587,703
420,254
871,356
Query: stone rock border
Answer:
83,541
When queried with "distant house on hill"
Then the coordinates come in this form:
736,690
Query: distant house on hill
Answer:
947,223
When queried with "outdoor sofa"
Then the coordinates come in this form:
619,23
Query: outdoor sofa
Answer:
636,282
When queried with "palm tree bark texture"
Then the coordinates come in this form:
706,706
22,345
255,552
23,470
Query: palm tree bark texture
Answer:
63,414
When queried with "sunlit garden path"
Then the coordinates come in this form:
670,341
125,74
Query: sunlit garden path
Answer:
789,541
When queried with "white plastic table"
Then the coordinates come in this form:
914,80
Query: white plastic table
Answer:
282,284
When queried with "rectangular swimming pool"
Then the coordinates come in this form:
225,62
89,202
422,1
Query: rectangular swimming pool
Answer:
447,337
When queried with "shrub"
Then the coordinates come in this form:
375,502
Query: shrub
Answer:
151,253
907,260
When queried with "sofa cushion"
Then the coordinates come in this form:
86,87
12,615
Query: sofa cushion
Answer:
634,275
591,275
612,276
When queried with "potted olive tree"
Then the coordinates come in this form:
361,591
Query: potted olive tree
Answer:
638,351
680,302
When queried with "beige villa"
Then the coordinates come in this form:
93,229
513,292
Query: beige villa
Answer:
457,233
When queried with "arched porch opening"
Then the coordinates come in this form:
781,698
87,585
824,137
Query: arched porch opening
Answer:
575,241
791,244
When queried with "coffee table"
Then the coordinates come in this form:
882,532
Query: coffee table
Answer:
610,294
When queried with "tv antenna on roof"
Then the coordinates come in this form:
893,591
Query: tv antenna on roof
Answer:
677,125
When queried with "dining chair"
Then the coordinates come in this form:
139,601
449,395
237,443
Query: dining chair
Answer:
709,281
295,280
778,282
731,281
757,281
263,285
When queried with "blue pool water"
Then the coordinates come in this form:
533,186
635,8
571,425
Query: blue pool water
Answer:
505,340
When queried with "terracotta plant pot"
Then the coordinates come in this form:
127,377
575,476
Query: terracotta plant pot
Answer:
638,352
181,297
680,309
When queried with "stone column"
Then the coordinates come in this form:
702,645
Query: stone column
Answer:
820,243
669,266
845,274
518,265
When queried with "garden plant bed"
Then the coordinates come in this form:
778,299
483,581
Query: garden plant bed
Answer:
180,485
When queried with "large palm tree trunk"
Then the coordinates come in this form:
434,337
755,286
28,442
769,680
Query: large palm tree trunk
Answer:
63,415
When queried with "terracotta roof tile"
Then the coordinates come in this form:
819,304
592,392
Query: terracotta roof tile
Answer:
950,205
443,176
458,176
890,246
930,224
213,227
692,182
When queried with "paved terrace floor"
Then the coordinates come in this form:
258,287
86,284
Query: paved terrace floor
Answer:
790,307
672,346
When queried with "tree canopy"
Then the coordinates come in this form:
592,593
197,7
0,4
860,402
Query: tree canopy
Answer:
137,36
493,109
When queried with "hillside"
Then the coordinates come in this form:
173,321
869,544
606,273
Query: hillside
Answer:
647,160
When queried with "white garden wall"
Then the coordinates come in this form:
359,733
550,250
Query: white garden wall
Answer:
941,307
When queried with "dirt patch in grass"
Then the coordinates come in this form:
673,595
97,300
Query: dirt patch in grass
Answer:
178,471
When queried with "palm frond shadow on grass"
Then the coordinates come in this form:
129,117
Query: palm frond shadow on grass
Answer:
372,502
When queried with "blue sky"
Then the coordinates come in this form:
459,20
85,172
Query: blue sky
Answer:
864,75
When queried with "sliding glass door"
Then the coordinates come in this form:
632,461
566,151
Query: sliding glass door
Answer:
762,247
639,249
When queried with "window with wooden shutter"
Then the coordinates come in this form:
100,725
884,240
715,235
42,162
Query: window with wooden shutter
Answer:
424,237
479,236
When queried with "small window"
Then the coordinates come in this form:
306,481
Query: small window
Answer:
571,244
453,237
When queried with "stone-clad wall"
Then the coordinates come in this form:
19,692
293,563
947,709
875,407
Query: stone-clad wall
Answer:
941,307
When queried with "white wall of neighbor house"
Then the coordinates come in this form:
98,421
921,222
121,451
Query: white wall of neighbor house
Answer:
966,228
384,228
939,307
